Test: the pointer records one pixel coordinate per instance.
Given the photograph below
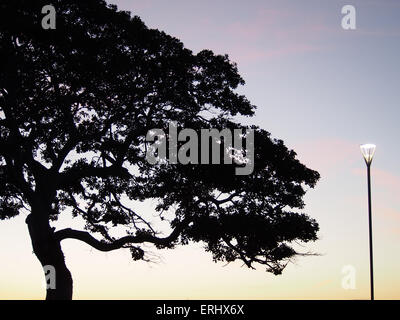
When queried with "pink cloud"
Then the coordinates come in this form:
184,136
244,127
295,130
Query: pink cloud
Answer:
254,29
382,178
331,154
133,5
292,49
273,34
386,192
390,219
248,54
386,178
325,155
394,230
390,213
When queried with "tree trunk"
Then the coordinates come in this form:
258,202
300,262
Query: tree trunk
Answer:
48,251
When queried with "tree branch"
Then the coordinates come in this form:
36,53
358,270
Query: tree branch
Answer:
71,176
120,243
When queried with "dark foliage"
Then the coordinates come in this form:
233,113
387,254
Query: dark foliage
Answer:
76,103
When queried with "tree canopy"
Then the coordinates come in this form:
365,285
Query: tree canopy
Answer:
76,103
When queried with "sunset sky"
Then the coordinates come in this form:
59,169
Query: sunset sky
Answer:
324,91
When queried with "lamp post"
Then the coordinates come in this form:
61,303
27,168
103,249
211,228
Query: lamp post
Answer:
368,151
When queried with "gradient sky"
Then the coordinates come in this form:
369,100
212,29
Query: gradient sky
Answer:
321,89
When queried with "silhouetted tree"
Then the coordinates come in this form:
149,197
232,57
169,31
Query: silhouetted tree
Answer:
76,104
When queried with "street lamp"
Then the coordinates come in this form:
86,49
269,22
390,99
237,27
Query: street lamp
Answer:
368,151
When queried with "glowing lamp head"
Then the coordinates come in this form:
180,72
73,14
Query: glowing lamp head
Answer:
368,151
